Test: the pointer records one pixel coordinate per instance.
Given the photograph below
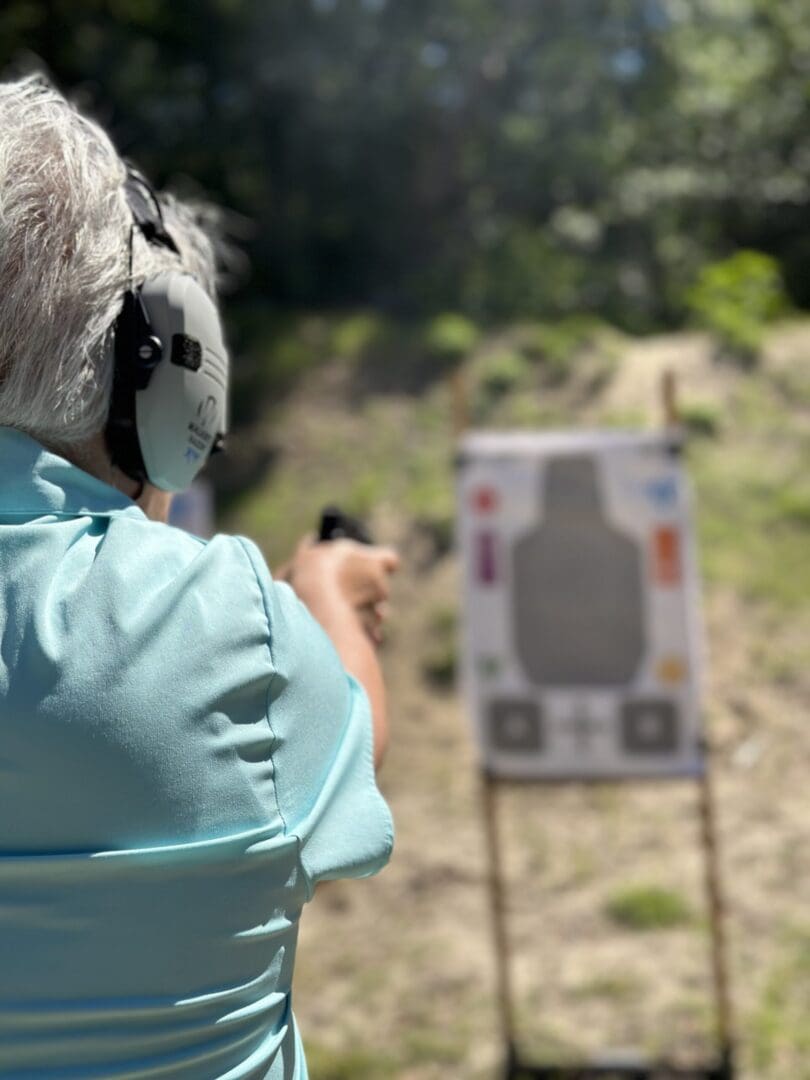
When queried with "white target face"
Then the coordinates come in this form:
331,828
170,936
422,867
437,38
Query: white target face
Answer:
581,614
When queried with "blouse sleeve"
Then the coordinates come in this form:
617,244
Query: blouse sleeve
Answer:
322,755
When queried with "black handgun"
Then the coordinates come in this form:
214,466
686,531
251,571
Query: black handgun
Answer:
337,525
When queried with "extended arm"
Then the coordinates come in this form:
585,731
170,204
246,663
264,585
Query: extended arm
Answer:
345,585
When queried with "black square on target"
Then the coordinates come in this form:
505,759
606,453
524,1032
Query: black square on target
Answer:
515,725
650,727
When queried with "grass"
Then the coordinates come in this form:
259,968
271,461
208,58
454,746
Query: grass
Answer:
754,499
753,522
779,1031
792,382
701,418
782,663
501,374
326,1063
441,659
749,467
558,348
449,338
648,907
753,514
609,987
433,1048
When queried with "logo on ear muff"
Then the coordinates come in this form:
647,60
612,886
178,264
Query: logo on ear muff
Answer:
207,411
202,430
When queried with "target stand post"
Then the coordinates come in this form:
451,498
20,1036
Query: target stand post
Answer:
610,1065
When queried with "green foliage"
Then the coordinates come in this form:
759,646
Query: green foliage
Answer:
356,333
276,352
648,907
527,273
735,298
449,338
500,373
700,418
288,357
793,506
368,487
467,157
428,497
440,661
557,346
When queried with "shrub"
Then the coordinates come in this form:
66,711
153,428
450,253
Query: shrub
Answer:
354,334
440,662
794,506
557,346
500,373
527,270
274,352
449,338
735,298
700,418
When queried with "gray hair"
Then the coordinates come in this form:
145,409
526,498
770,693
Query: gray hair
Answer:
64,263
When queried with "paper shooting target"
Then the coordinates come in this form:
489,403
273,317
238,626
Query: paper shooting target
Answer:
581,614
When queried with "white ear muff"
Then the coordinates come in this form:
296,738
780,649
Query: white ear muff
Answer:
181,415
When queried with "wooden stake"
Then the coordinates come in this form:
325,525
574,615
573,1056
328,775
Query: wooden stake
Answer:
498,910
709,840
717,916
669,398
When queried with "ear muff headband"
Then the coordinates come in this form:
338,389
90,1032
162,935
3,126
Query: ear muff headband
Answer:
168,410
145,210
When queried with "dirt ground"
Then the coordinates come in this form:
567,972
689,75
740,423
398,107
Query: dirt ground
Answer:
395,975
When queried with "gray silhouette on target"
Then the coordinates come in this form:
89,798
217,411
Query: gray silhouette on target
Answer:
577,587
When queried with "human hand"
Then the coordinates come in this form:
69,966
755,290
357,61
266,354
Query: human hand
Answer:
343,572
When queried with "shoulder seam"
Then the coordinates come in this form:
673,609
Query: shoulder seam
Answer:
245,549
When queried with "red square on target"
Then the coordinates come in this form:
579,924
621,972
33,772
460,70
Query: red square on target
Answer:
485,500
666,556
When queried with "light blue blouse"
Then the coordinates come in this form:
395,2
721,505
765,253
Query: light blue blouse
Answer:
182,759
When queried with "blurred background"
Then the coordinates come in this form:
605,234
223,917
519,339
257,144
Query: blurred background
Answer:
558,201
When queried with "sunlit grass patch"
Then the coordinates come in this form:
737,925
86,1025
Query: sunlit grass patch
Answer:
441,658
648,907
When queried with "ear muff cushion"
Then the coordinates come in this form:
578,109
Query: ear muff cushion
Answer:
121,435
